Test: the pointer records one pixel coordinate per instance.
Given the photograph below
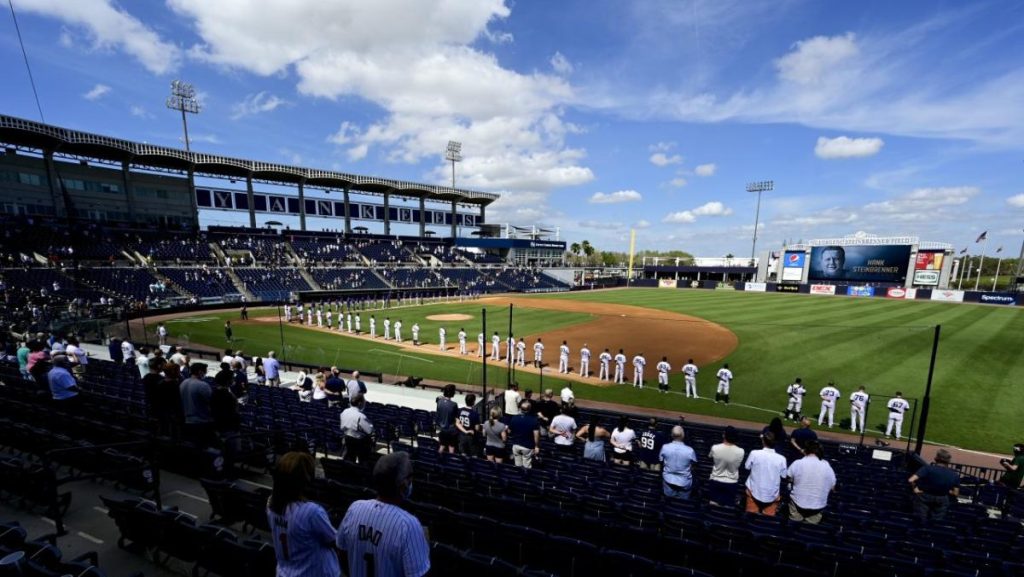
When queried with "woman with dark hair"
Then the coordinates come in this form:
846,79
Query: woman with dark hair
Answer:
779,432
303,535
593,435
622,442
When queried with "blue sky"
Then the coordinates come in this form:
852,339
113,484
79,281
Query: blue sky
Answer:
891,118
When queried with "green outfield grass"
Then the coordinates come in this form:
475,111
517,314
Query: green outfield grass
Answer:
881,343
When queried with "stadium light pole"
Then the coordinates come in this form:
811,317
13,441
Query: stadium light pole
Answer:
927,401
453,154
758,187
183,98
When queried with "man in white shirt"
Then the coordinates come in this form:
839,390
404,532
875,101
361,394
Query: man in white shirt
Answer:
858,406
563,429
620,368
512,399
829,395
387,329
725,472
663,369
639,362
538,354
398,330
813,479
767,469
563,358
462,341
127,350
897,406
142,362
568,397
441,334
690,371
605,358
521,352
724,380
480,349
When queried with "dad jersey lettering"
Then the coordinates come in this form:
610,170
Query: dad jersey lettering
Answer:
368,533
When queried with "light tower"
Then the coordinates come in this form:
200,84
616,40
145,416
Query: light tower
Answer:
183,98
453,154
758,187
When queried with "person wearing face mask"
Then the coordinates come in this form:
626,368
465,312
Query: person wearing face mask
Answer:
302,531
378,537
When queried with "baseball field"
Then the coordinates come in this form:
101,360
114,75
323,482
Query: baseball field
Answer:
767,339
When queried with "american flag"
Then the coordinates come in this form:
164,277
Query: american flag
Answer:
982,236
964,251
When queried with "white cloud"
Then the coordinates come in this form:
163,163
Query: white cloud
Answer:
678,182
830,216
681,217
661,159
65,39
813,59
712,209
561,64
257,103
641,224
615,197
1016,201
924,202
139,112
97,92
846,147
662,146
205,138
600,224
705,169
110,26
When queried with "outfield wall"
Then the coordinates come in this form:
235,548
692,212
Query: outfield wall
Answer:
863,291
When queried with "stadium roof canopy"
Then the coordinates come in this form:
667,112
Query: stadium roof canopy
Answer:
22,133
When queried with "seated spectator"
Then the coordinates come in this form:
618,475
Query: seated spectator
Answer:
933,485
677,459
63,386
303,536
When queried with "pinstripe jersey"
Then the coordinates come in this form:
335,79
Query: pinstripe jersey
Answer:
302,541
382,540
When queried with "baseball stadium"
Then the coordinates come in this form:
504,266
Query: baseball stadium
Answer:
222,365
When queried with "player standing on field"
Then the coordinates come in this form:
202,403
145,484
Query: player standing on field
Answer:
538,354
462,341
480,351
441,334
606,359
663,369
690,371
620,368
495,347
416,334
796,393
829,395
387,329
858,406
521,352
585,361
563,358
639,362
724,380
373,327
897,406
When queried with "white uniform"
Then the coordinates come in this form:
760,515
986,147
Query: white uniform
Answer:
563,359
495,348
309,317
480,345
603,372
358,324
639,362
387,329
897,407
373,328
724,380
441,334
510,345
690,371
348,322
829,395
319,318
329,315
288,313
415,333
521,353
398,331
161,332
302,314
858,406
796,393
127,350
538,353
462,342
585,362
663,369
620,369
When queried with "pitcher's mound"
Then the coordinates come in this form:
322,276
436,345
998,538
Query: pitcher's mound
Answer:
450,317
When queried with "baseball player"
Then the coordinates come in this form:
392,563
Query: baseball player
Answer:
398,330
620,368
373,327
387,329
858,406
690,371
538,354
348,322
359,323
416,334
441,334
319,318
330,317
563,357
521,352
302,314
309,316
796,393
585,361
495,347
897,406
605,358
829,395
639,362
462,341
480,352
724,380
287,313
510,345
663,369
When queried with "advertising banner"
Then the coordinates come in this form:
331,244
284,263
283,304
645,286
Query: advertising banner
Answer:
998,299
860,291
884,263
896,293
926,277
793,265
948,296
823,289
755,287
787,288
723,286
911,294
667,283
929,260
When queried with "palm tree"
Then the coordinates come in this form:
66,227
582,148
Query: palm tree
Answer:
587,249
575,249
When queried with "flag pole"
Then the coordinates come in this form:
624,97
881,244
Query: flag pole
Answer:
999,263
963,267
981,263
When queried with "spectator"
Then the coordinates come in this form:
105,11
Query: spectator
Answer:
525,434
396,543
63,386
767,469
649,445
115,352
933,485
334,384
546,410
803,435
272,370
568,397
320,387
224,376
468,425
259,370
142,361
813,479
195,405
512,398
240,380
725,472
779,432
303,536
22,354
622,442
495,436
1014,468
676,461
224,408
563,429
444,420
358,431
594,436
356,388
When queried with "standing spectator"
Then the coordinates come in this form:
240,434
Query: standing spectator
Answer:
803,435
259,371
272,370
563,429
649,444
302,533
195,405
725,473
525,434
676,460
127,351
379,538
356,388
546,409
1014,468
767,469
142,361
63,386
622,442
933,485
163,396
779,432
813,479
358,431
568,396
495,436
114,350
512,399
22,354
444,420
161,334
468,425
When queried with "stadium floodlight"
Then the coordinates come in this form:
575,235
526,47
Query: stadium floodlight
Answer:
453,154
183,98
758,187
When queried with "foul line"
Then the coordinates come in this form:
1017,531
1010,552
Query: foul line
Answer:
399,355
